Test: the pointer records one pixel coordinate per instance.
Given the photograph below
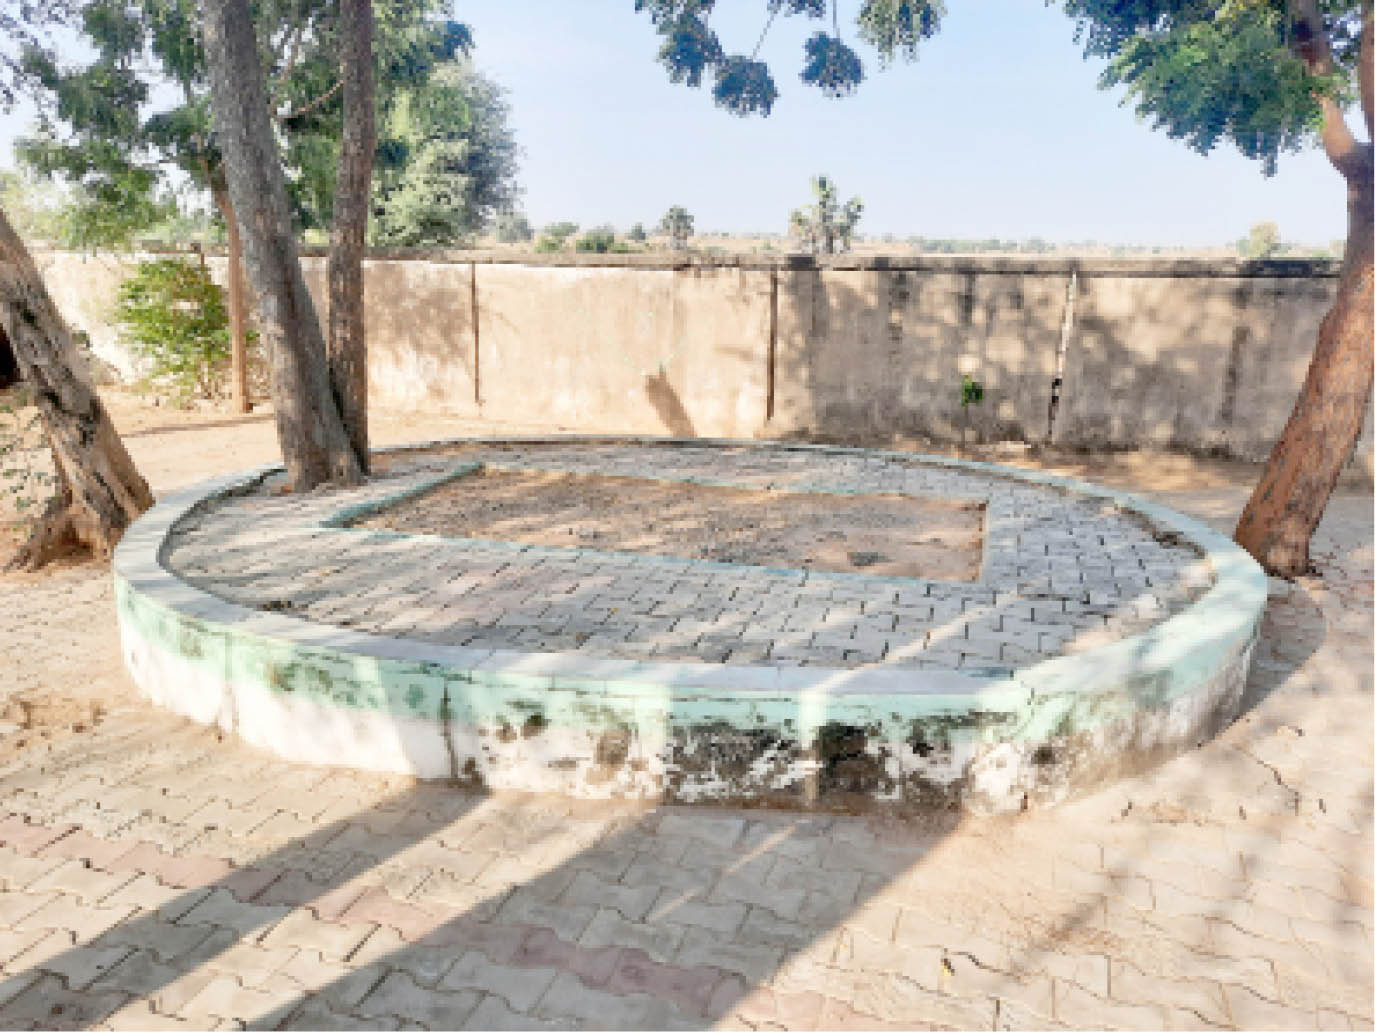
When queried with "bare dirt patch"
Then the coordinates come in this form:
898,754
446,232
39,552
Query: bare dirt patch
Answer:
884,535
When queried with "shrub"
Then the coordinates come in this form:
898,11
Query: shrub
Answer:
602,240
173,317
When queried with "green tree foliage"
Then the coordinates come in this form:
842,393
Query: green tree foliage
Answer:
601,240
555,236
826,225
98,133
691,51
446,160
172,315
512,228
677,226
1263,241
34,206
637,233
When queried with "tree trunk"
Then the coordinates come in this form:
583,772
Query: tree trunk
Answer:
238,342
347,346
99,492
1320,436
315,445
1321,433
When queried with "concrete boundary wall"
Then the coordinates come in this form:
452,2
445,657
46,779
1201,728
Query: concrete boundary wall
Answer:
1204,356
1031,736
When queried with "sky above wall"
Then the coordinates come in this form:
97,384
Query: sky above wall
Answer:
998,130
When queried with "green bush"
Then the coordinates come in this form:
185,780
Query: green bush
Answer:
173,317
601,241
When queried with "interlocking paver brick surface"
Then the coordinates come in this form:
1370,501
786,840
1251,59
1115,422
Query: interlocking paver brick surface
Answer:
1232,887
1060,572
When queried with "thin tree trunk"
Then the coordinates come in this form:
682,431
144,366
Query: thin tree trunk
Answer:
315,445
99,492
347,345
238,342
1320,436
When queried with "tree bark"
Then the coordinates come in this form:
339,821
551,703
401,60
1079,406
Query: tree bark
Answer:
238,342
1320,436
99,492
315,445
347,345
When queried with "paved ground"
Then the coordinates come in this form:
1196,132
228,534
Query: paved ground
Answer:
155,876
1060,571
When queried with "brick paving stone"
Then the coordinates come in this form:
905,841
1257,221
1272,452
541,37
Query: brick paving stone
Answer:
147,893
1076,1006
79,966
12,943
1251,1011
608,928
250,963
678,908
18,872
248,883
222,909
492,1015
632,903
397,994
690,989
542,948
567,921
572,1003
224,997
165,939
296,889
519,987
85,883
722,832
139,1016
48,1004
15,906
14,984
701,948
376,906
82,845
27,838
302,929
70,914
314,1014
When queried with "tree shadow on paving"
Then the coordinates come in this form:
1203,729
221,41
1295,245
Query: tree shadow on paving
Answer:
1214,912
667,919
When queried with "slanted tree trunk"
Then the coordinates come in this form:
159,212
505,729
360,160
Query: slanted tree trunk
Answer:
1320,436
99,492
315,445
238,341
347,346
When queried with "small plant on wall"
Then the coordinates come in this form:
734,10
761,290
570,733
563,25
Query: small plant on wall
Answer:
172,316
971,393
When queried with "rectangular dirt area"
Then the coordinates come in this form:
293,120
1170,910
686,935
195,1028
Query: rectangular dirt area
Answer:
886,535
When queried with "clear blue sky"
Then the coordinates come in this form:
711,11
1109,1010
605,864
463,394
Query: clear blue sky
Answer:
998,130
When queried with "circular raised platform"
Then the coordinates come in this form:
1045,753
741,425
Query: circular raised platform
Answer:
1075,634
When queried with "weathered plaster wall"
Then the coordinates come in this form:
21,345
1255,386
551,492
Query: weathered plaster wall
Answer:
1205,356
882,352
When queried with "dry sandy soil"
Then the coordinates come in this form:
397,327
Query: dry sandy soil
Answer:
885,535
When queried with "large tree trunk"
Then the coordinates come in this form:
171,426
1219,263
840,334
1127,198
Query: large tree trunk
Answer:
348,351
315,445
99,492
1320,437
238,341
